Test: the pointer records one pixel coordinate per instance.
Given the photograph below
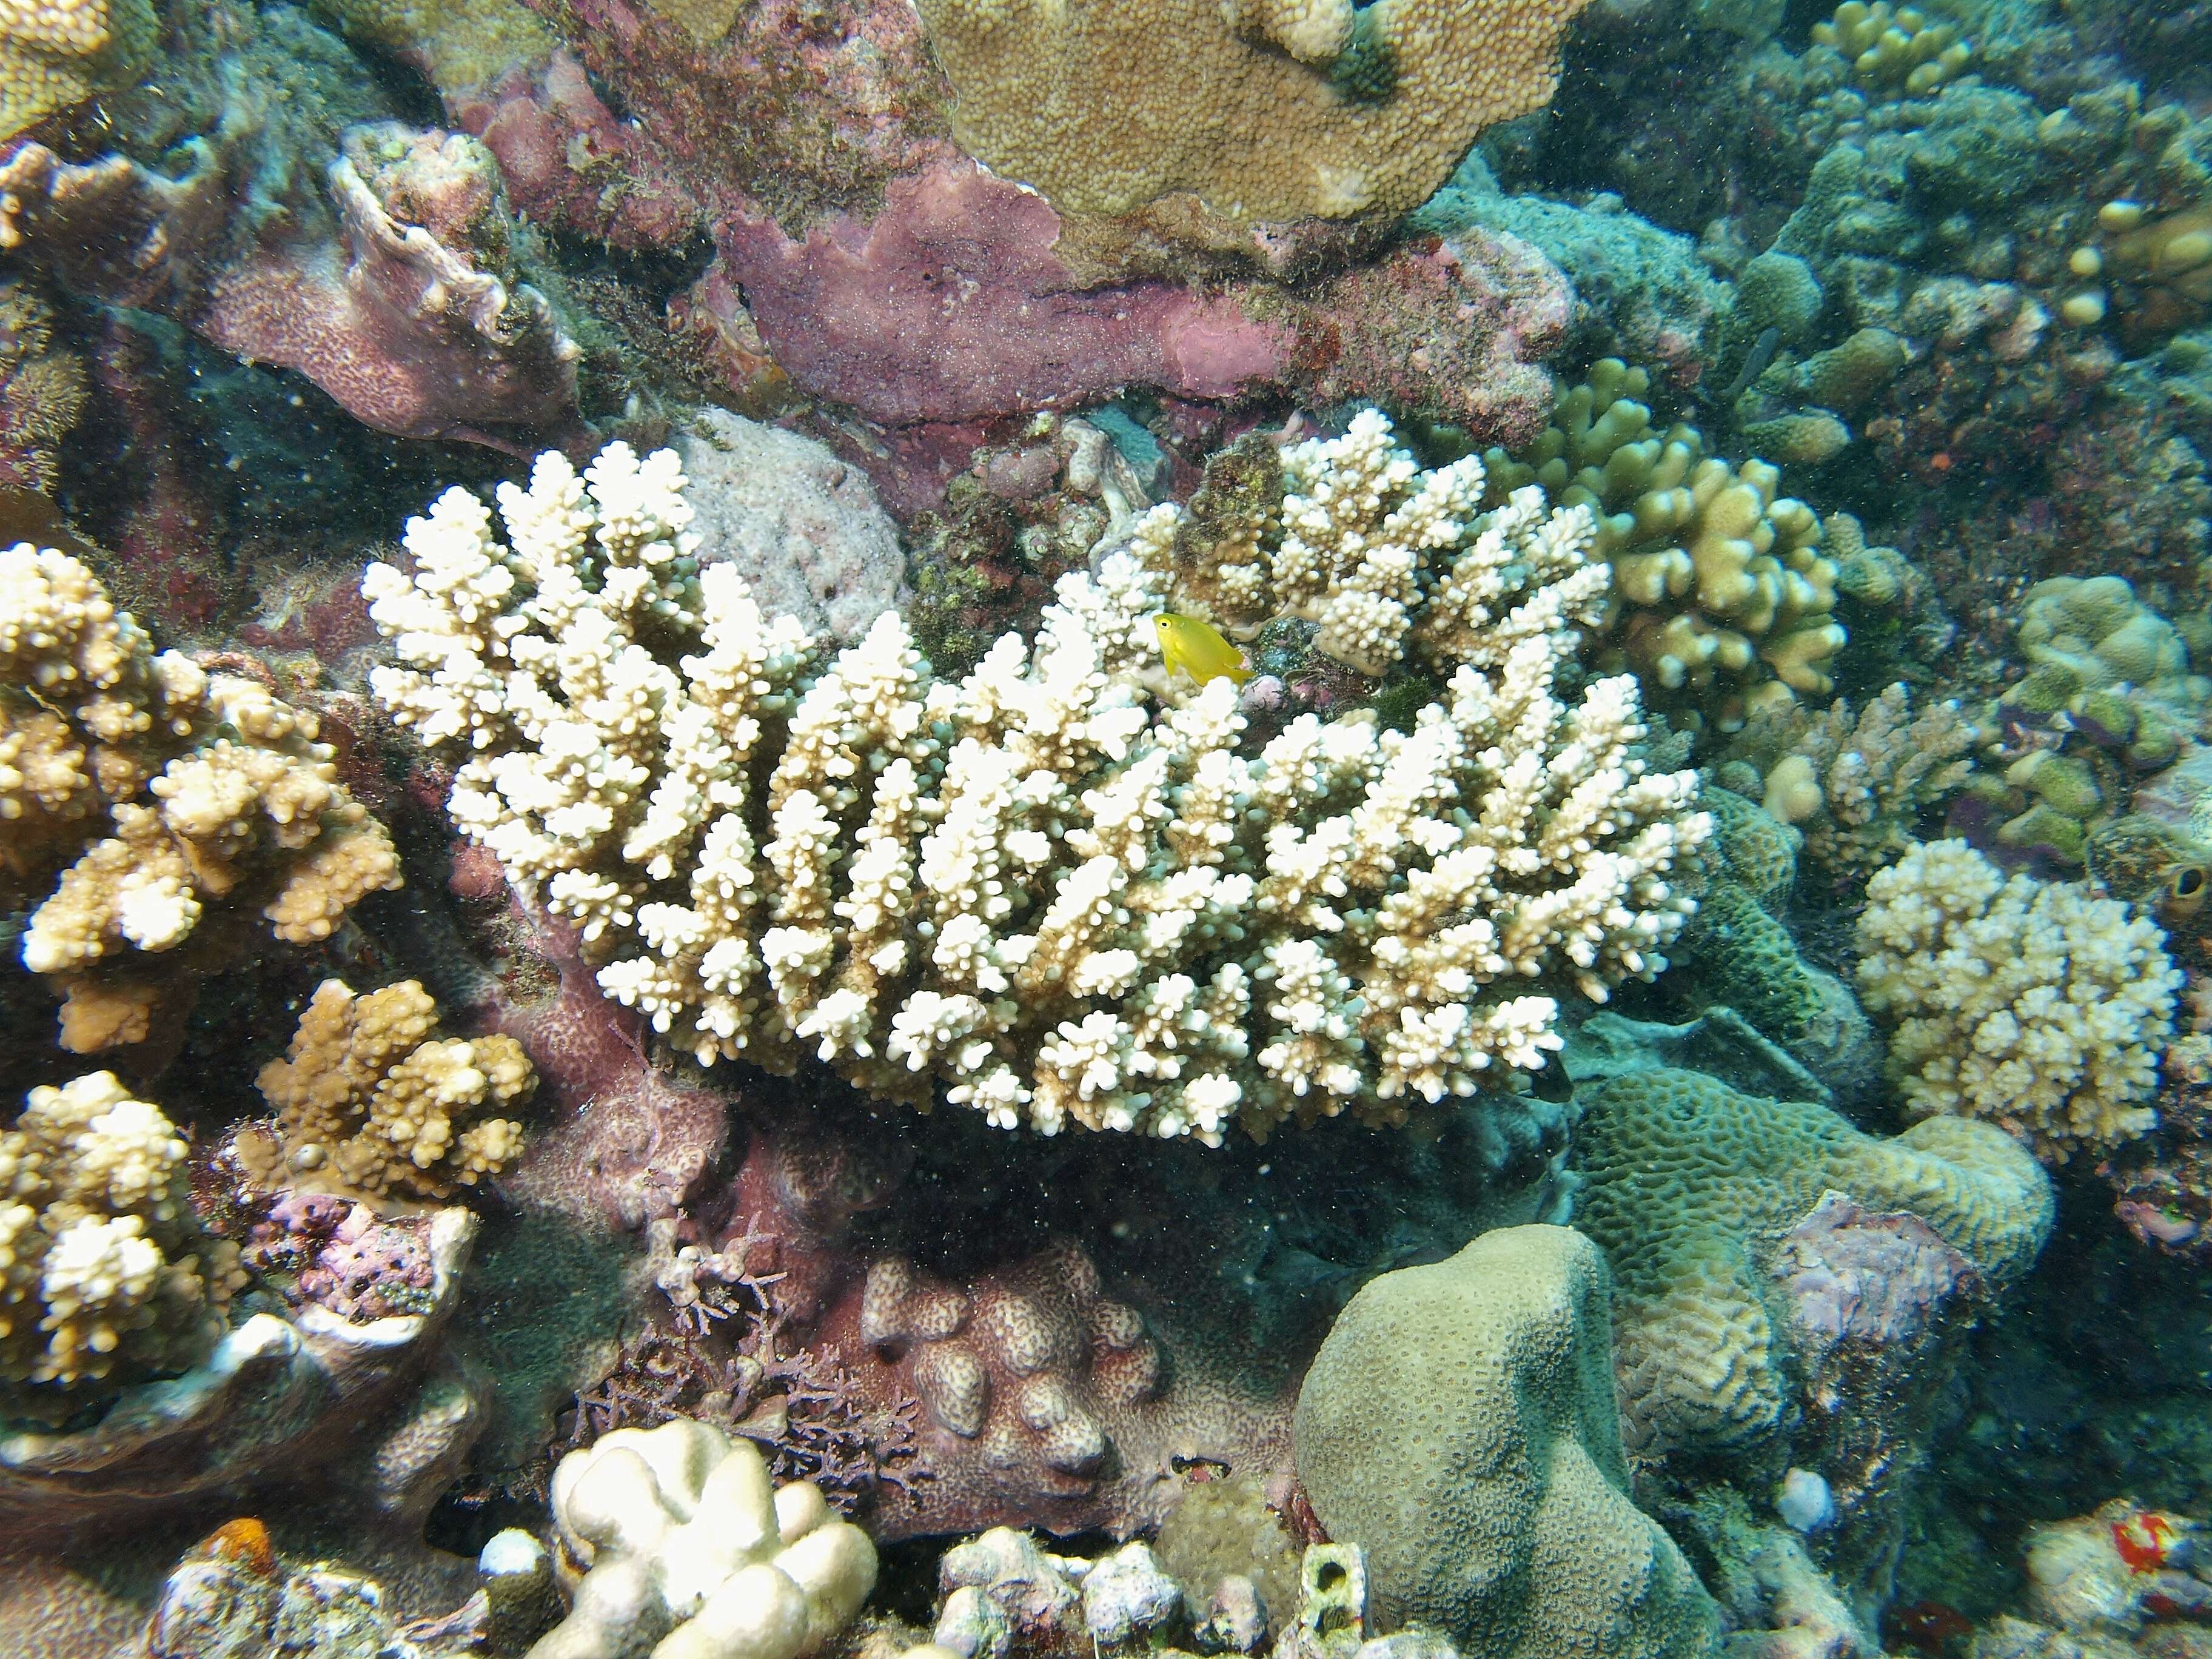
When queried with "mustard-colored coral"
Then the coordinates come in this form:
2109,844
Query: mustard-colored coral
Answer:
1688,1186
1723,599
42,389
1895,49
55,53
172,790
2033,1005
369,1099
1264,109
106,1276
1062,889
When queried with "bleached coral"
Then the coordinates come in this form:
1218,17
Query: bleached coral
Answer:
369,1099
211,793
677,1539
1036,887
1376,550
106,1278
2035,1005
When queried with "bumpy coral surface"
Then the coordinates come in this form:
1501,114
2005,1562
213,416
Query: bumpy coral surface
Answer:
176,792
1459,1424
1691,1187
676,1535
369,1098
54,53
106,1278
1063,897
2032,1005
1720,586
1263,109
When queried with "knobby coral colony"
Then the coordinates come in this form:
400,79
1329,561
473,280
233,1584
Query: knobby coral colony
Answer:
1062,888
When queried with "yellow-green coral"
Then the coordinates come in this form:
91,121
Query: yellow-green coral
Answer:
106,1276
1895,49
461,44
55,53
172,790
1264,109
1687,1186
369,1099
1724,601
2036,1006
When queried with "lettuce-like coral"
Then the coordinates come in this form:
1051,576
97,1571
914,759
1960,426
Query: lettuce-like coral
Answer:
1063,896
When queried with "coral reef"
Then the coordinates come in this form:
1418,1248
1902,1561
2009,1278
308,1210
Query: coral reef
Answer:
1463,1414
2032,1005
675,1535
1271,112
1693,1189
104,1272
594,765
55,53
42,390
397,284
165,796
369,1099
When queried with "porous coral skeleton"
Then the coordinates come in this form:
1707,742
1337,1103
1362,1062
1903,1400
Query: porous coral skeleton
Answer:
1056,895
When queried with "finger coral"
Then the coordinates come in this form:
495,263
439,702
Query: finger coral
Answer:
1058,896
2033,1005
370,1099
106,1278
676,1535
1721,591
1264,110
174,791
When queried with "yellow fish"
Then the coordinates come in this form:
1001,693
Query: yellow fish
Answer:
1199,650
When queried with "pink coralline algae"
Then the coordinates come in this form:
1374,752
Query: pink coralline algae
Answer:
339,1254
1854,1275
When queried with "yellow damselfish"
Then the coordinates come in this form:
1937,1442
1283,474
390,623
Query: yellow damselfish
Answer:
1199,650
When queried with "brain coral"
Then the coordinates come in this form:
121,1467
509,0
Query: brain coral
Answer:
2034,1005
1689,1187
1266,109
1459,1424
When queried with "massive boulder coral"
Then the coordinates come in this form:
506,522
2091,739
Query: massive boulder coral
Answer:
258,200
55,53
1064,898
369,1099
1695,1192
676,1536
1262,110
1459,1424
2032,1005
106,1276
176,793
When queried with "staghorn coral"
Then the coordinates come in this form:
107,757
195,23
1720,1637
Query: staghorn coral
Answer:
1855,784
55,53
1063,903
1693,1191
1263,110
2032,1005
1459,1422
369,1100
676,1535
1723,601
106,1278
1349,546
214,795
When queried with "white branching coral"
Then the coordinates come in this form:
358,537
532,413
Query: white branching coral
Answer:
1375,551
106,1276
2035,1005
174,791
1038,888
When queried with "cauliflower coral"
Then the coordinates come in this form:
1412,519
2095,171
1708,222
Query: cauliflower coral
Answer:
2034,1005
